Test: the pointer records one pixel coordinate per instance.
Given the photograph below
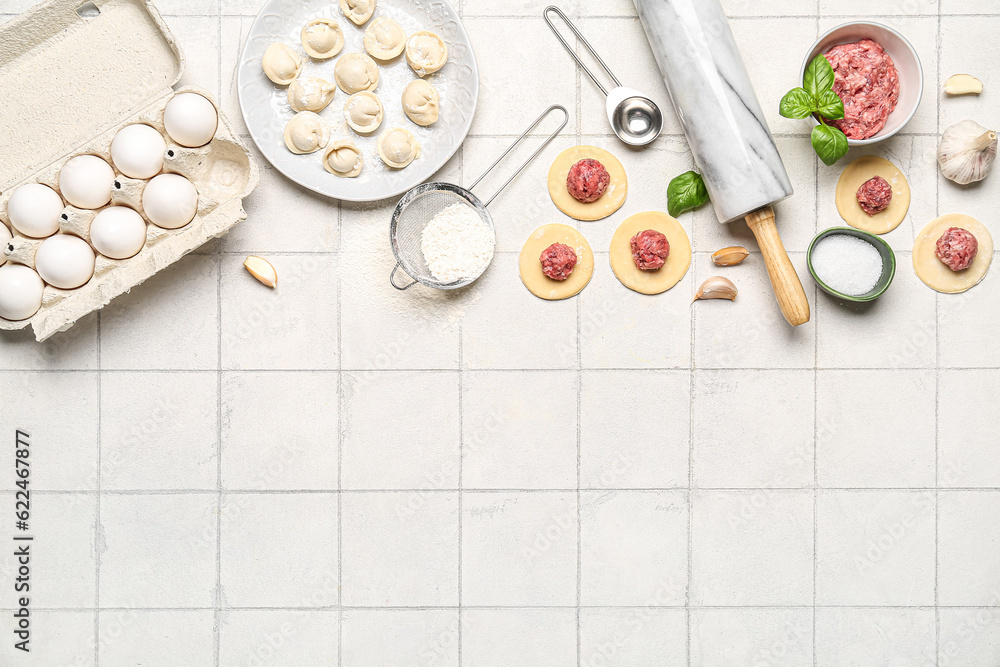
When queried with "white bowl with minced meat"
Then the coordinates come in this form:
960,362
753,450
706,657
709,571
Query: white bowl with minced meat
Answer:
881,84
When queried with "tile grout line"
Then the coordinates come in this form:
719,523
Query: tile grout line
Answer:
579,397
937,381
815,292
340,443
97,508
217,629
690,485
461,438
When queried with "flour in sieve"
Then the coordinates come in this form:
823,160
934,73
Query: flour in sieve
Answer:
457,244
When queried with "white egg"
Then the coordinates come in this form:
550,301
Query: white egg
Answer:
118,232
20,292
65,261
34,210
170,201
190,119
85,181
137,151
4,237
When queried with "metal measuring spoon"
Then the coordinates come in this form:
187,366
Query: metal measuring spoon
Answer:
635,118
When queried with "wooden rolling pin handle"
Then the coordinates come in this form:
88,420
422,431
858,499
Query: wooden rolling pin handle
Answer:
785,282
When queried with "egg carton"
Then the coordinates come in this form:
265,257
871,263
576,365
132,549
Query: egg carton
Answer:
124,75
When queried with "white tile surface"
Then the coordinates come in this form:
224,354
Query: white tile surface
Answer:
851,636
159,431
59,407
279,431
158,551
730,447
967,440
399,638
417,448
268,556
967,548
157,638
650,525
875,548
647,636
284,638
519,430
759,636
400,549
225,457
617,449
751,548
515,637
877,428
519,549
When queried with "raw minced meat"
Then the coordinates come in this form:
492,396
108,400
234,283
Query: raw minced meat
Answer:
650,249
874,195
957,248
866,80
558,261
587,180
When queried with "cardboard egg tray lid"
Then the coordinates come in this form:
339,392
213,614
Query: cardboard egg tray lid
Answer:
72,73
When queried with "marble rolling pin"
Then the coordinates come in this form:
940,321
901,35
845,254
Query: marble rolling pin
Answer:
725,128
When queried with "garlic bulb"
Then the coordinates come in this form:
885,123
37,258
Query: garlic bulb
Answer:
966,152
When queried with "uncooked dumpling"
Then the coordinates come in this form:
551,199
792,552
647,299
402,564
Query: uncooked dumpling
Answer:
281,64
426,52
363,112
343,158
355,72
420,102
358,11
384,39
306,133
398,148
310,93
322,38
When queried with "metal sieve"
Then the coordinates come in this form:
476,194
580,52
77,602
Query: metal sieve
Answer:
420,204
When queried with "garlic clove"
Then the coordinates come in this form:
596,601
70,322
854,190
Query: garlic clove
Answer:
717,287
966,152
963,84
730,256
262,270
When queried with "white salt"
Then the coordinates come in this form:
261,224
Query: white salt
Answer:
847,264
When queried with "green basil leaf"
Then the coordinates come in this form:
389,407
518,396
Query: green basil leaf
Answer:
686,192
829,143
830,105
798,103
818,77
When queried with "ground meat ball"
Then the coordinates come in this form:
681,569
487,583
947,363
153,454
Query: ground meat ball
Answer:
874,195
957,248
558,261
587,180
649,249
866,80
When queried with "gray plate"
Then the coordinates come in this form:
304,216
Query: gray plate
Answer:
265,105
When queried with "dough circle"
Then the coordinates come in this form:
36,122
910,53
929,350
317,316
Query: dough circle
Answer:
668,275
933,272
610,201
531,266
856,173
